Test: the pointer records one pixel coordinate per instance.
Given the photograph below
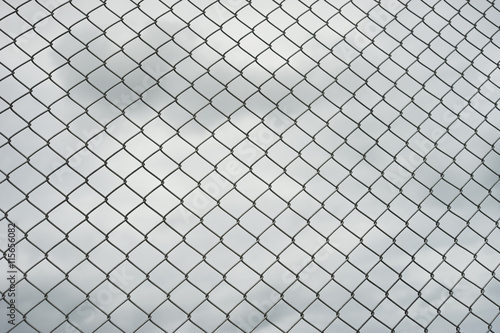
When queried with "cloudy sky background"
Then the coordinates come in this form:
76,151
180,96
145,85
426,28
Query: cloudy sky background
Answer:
202,154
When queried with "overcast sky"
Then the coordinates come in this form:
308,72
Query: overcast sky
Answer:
299,166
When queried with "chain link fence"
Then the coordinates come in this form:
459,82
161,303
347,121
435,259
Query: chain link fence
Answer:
250,166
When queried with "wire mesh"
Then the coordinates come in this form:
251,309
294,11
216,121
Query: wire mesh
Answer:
250,166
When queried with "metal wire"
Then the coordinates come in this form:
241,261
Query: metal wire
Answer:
250,166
